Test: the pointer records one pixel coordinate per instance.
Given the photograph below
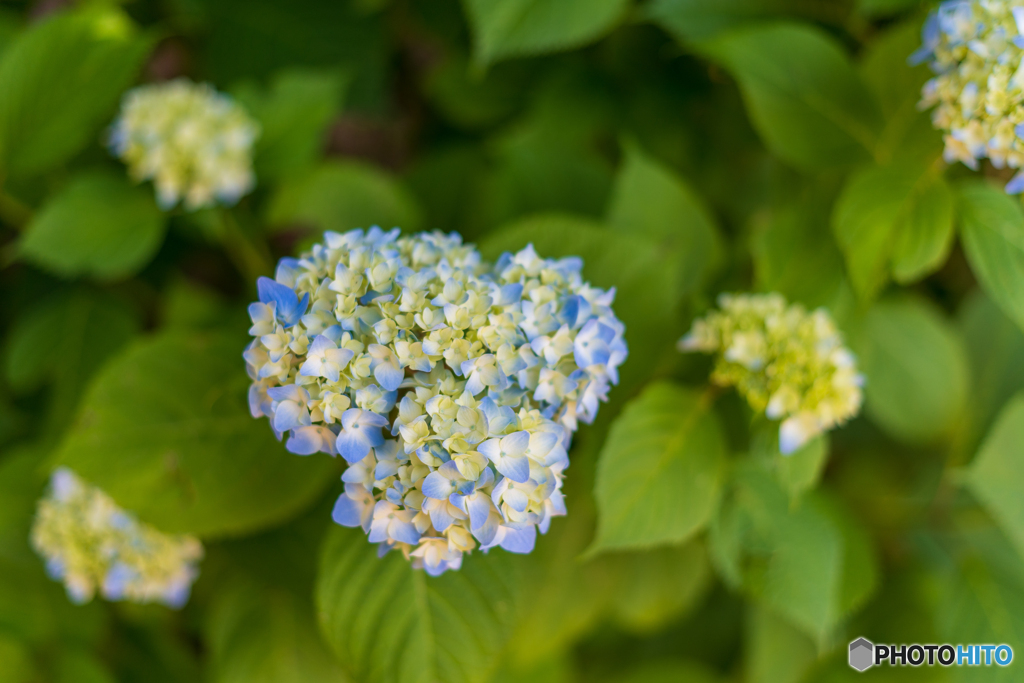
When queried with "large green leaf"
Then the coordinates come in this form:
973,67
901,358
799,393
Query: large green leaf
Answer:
389,622
694,20
649,199
992,229
893,221
263,635
908,132
654,587
61,81
916,370
293,112
803,94
342,196
510,28
643,274
165,430
995,346
777,651
810,563
997,473
62,343
794,256
99,225
659,473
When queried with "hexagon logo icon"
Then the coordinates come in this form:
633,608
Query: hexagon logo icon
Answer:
862,654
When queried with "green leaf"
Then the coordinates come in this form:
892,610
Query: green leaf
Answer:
261,635
997,473
802,93
908,133
61,81
992,230
802,470
293,112
884,8
695,20
513,28
794,256
389,622
654,587
342,196
995,346
165,430
62,343
643,275
660,470
810,563
78,665
649,199
668,671
473,100
893,221
915,368
16,664
255,38
98,225
778,651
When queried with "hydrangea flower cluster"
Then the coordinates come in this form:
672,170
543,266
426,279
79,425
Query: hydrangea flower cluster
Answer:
451,387
91,544
975,47
193,142
785,361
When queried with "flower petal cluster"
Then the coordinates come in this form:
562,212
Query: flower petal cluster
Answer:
450,386
786,361
193,142
92,545
975,47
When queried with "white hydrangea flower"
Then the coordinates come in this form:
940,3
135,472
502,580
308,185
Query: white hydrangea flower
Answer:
193,142
93,546
786,361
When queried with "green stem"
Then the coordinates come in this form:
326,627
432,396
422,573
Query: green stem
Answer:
251,258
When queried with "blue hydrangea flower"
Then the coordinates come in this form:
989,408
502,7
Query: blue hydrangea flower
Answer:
451,387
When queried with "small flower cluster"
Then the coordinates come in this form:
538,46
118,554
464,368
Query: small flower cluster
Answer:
975,47
477,374
91,544
785,361
194,143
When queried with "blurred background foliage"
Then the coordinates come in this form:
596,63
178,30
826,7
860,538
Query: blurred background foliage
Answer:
682,148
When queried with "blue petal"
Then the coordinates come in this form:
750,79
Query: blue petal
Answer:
305,441
1016,184
347,512
515,468
405,532
437,486
519,540
389,376
352,446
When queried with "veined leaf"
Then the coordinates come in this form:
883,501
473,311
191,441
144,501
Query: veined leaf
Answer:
388,622
659,473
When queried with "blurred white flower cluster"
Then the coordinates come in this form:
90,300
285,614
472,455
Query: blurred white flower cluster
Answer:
194,143
477,374
92,545
785,361
975,47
